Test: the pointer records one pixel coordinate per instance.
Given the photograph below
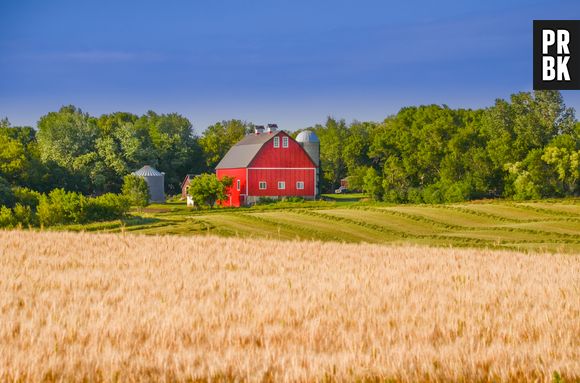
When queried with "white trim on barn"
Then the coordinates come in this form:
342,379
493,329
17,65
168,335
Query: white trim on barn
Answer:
281,168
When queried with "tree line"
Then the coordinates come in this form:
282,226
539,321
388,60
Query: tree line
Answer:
72,150
527,147
524,147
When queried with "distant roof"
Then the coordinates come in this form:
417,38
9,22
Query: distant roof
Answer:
307,136
188,177
148,171
242,153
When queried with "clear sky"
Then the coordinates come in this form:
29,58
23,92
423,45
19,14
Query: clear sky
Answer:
293,62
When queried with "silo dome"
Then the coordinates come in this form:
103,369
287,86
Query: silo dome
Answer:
307,136
155,180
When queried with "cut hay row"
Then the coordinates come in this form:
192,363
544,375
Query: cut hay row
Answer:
493,225
488,237
114,307
564,237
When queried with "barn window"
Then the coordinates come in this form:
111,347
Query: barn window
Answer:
300,185
284,142
276,142
262,185
238,185
281,185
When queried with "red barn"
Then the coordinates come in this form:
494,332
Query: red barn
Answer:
268,163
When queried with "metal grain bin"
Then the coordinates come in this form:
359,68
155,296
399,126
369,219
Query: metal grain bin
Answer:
155,180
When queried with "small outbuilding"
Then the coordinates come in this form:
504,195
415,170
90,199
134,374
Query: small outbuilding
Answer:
155,181
184,186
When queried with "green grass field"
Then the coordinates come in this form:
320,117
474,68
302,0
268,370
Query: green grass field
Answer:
552,225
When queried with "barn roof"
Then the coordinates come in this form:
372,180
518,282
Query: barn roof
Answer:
242,153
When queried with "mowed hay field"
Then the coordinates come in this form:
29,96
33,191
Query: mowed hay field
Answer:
537,226
108,307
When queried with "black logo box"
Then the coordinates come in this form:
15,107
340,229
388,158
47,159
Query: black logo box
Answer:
573,27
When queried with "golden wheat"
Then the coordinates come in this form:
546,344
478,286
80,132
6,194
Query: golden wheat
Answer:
132,308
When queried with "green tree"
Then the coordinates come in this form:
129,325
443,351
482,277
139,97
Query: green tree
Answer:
61,207
207,189
566,162
6,194
175,149
67,138
136,190
13,161
394,182
333,137
372,184
218,138
6,217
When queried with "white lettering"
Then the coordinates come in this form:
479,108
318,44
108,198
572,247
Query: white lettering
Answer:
563,68
548,39
548,71
563,40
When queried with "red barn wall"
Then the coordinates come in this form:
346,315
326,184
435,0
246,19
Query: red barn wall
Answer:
272,176
235,196
291,157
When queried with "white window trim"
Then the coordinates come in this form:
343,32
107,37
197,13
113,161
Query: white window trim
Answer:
260,185
276,142
283,183
299,183
285,142
238,185
281,168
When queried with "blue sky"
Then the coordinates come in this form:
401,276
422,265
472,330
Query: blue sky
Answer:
293,62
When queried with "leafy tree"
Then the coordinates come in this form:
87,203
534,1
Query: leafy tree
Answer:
6,217
136,190
174,148
207,189
13,161
67,138
61,207
356,145
333,137
106,207
218,138
372,184
26,197
6,194
23,215
563,155
394,182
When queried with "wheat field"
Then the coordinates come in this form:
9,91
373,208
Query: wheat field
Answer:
116,307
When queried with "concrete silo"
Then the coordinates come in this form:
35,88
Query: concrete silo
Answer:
155,180
311,144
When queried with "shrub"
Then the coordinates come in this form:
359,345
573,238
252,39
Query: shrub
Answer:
61,207
293,199
265,201
458,192
414,195
106,207
26,197
6,195
23,215
207,189
136,190
432,194
6,217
